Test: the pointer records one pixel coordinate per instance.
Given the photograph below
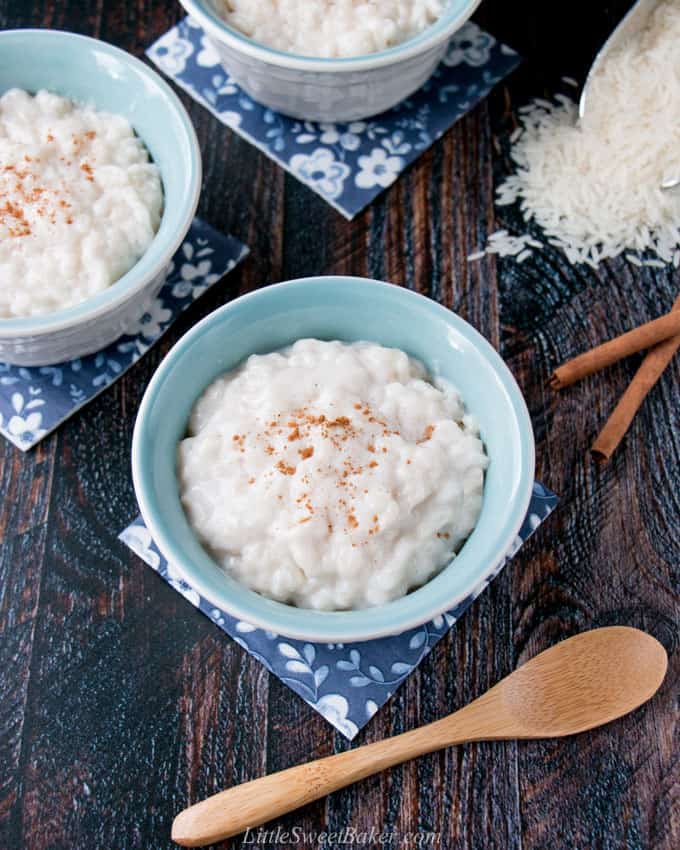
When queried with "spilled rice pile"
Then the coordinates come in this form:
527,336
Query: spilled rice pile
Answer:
594,187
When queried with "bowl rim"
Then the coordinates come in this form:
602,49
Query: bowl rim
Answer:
333,629
127,286
452,19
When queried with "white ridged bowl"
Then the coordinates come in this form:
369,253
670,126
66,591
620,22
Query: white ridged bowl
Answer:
330,90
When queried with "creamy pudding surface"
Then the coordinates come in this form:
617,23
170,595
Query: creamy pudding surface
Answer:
330,28
80,202
330,475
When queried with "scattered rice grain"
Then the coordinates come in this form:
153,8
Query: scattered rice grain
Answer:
593,196
476,256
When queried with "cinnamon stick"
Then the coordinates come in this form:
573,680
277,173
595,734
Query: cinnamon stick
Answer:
642,337
646,376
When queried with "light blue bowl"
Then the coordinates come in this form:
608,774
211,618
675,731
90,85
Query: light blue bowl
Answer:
348,309
92,72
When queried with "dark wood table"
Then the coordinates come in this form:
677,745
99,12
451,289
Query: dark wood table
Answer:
120,703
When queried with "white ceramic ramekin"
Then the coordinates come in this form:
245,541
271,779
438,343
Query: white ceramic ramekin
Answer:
91,71
330,89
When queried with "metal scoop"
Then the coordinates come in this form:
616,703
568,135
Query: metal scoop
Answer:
633,23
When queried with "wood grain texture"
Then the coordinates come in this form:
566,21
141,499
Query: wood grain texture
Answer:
120,704
575,685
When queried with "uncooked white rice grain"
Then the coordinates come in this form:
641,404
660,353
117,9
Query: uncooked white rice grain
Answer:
574,178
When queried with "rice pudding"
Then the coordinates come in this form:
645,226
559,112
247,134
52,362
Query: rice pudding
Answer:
330,475
80,202
330,28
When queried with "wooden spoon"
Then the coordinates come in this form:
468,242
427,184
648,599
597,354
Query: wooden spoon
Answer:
578,684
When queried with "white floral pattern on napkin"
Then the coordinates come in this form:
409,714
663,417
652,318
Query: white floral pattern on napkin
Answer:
346,684
347,164
34,401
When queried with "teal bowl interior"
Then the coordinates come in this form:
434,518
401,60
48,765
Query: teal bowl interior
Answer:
95,73
347,309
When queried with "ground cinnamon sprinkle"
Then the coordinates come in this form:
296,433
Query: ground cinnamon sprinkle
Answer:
78,141
285,468
303,424
24,199
13,218
427,435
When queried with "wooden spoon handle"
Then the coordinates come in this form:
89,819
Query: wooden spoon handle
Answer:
583,682
253,803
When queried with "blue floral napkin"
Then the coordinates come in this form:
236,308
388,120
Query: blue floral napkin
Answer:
346,684
347,164
35,401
